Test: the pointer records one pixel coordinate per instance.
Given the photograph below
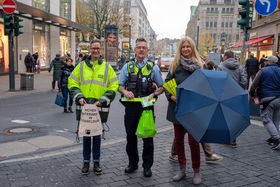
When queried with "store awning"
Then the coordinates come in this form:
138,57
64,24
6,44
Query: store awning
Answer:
256,40
236,44
252,41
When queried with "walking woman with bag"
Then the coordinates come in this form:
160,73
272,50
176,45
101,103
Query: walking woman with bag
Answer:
65,73
186,61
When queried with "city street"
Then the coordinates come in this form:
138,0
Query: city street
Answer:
252,163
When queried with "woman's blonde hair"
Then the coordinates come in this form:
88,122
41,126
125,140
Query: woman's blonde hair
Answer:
195,55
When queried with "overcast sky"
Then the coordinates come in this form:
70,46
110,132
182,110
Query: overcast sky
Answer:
169,18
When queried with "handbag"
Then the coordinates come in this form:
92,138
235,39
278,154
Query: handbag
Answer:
146,127
59,100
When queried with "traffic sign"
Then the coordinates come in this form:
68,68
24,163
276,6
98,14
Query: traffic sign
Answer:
9,6
266,7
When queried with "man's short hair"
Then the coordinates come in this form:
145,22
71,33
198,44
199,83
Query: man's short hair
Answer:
229,54
141,40
95,41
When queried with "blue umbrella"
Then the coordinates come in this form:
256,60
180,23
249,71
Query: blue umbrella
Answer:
212,107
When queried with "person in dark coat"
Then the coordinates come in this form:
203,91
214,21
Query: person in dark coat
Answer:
262,61
65,73
252,67
186,61
29,62
56,64
266,87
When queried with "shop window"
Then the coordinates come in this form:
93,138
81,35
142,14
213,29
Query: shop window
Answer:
65,9
4,51
65,41
42,5
41,40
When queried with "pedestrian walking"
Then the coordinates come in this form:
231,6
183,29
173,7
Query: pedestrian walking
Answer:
252,67
65,73
37,63
262,61
234,68
29,62
186,61
137,79
266,86
93,81
56,64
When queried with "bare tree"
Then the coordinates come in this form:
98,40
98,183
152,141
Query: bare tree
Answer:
98,13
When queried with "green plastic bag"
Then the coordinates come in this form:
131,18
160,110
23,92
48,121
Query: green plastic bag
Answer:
146,126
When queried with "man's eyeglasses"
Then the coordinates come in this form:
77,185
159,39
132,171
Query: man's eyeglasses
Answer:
141,47
95,48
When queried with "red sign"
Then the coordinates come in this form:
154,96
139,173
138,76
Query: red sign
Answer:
9,6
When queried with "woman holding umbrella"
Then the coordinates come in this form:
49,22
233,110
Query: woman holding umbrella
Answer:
186,61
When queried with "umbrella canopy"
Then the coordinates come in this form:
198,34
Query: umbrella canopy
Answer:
212,107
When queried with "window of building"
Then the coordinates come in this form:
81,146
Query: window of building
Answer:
215,24
213,2
42,5
226,24
223,10
65,9
216,10
237,37
222,24
211,24
231,10
230,24
208,10
212,10
206,24
227,2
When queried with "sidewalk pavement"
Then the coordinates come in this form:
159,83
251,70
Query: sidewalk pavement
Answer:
252,163
41,82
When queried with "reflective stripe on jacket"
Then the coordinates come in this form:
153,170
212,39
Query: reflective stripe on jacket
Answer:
94,81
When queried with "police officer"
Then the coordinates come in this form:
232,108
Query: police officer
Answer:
137,79
93,81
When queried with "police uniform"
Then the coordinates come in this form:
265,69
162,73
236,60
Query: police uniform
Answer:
139,79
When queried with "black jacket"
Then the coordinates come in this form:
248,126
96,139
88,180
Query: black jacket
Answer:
65,73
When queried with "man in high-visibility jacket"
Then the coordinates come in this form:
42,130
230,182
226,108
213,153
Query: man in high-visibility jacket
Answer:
137,79
93,81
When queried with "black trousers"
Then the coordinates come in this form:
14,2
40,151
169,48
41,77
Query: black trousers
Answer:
133,111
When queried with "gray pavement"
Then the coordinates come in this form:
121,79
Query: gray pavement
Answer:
252,163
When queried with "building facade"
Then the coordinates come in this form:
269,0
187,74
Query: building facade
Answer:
216,19
265,34
48,28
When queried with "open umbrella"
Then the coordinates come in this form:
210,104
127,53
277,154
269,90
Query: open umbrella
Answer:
212,107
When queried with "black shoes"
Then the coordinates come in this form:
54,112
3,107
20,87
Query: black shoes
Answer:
85,169
130,169
269,141
97,169
147,172
276,144
70,110
65,110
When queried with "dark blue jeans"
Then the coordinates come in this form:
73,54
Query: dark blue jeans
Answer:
65,93
95,149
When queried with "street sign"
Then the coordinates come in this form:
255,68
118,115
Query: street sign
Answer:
266,7
9,6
